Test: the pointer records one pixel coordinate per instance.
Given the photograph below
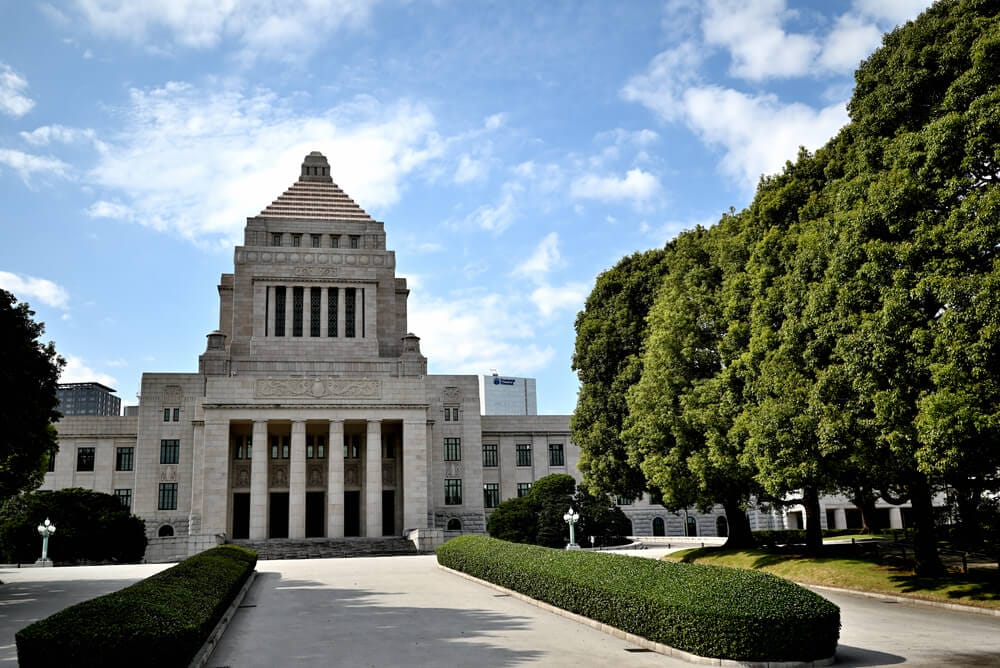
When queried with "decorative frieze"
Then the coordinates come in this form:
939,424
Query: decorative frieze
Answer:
168,473
451,394
173,394
317,388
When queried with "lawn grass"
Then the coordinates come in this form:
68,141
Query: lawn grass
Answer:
980,587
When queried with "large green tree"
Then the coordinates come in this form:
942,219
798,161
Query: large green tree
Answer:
29,374
608,360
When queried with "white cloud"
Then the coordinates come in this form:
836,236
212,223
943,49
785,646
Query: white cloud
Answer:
496,217
284,30
544,258
661,86
851,41
637,186
27,288
190,161
550,299
27,164
495,121
477,332
13,101
48,134
758,133
469,169
77,371
895,12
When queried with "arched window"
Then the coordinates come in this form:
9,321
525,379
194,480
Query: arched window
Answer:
692,526
454,524
721,526
659,527
166,531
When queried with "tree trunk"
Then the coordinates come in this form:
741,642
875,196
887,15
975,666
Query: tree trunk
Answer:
740,536
865,500
814,530
969,497
928,561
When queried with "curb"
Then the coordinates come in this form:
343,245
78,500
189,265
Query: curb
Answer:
205,653
659,648
957,607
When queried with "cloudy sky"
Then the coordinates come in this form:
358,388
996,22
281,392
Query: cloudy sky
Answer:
513,149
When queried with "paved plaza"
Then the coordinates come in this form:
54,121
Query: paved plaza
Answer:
404,611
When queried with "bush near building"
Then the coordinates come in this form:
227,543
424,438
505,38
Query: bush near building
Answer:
158,622
713,612
90,527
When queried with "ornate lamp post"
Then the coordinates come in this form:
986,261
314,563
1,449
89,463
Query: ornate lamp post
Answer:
45,530
571,518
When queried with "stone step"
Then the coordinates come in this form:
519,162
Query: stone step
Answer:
328,548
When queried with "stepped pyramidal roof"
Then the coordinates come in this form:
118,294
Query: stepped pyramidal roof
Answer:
315,196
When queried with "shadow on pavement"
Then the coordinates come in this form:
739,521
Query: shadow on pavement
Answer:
859,657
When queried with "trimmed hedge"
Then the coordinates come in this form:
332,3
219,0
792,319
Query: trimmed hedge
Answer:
710,611
161,621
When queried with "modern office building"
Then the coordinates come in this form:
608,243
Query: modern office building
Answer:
87,399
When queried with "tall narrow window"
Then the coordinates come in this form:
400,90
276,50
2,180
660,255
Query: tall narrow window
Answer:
296,240
177,414
297,311
279,310
170,449
276,239
489,454
452,492
355,241
331,311
523,489
124,497
350,295
556,457
123,459
314,238
491,494
315,295
334,241
84,459
524,454
452,449
168,496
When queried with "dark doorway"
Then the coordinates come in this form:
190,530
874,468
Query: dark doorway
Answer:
658,527
278,525
352,513
388,512
315,515
241,515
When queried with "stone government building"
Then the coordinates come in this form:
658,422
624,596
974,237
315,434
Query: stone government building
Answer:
312,414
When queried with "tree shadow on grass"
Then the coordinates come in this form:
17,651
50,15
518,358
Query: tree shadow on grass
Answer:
304,622
977,584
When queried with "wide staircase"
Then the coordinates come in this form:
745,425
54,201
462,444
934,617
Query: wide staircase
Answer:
329,548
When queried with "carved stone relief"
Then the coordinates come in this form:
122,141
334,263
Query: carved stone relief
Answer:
242,476
279,476
352,473
453,469
451,393
168,474
315,475
173,394
315,272
318,388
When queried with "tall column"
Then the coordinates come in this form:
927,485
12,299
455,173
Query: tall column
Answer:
839,519
215,476
289,309
415,480
324,309
895,518
335,481
341,312
258,481
297,482
373,479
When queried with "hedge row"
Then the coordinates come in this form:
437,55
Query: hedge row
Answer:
161,621
710,611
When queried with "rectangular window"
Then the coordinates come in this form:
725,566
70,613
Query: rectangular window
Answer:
624,501
489,454
452,492
355,241
451,413
123,459
170,451
280,447
491,494
524,454
352,446
334,241
124,498
315,297
166,415
297,298
279,310
168,496
389,447
177,414
314,239
453,449
315,447
350,296
296,240
331,311
276,239
556,457
523,489
84,459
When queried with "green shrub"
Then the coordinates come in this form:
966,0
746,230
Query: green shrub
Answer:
710,611
158,622
90,526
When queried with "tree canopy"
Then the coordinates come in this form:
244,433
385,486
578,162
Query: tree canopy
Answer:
842,332
29,374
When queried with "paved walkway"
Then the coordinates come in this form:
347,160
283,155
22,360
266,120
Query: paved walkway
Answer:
404,611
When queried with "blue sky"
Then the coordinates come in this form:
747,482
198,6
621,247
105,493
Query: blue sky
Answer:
514,151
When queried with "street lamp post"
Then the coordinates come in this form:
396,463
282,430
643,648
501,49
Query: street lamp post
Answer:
571,518
45,530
